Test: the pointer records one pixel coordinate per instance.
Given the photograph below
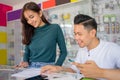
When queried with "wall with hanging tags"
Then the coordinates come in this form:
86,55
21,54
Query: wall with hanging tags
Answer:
107,14
3,34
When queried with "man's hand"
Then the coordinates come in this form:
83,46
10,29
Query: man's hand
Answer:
89,69
50,69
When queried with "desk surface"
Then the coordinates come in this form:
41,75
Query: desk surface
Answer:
7,71
6,75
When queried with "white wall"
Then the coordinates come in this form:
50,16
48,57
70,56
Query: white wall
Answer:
20,5
2,45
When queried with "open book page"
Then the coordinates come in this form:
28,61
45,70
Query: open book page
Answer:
27,73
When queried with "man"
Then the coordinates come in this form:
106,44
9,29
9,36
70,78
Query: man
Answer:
96,58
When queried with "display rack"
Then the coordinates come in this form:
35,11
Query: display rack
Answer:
107,14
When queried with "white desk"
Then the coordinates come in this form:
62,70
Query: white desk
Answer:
5,74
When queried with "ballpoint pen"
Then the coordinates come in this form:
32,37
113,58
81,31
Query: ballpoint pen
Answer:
70,60
77,70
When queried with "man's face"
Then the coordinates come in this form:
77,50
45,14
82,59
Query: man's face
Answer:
82,35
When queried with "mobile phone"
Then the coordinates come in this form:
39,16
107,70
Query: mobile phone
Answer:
70,60
39,77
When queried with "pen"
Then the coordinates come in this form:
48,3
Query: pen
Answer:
77,70
70,60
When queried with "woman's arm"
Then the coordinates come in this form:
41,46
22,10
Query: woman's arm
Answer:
26,54
62,47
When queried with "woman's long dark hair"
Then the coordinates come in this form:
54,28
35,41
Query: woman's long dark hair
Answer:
28,30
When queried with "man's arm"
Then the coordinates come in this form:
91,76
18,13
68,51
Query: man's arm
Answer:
111,74
52,69
90,69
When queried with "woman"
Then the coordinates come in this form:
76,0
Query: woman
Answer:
40,38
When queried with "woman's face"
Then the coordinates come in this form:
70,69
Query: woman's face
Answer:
33,18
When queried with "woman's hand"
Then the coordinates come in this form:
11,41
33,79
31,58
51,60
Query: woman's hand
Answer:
22,65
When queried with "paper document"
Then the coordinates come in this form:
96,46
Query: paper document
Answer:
64,76
27,73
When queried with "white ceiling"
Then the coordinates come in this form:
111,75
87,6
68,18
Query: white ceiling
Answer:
15,2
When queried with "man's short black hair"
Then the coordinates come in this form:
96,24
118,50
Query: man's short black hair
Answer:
88,22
